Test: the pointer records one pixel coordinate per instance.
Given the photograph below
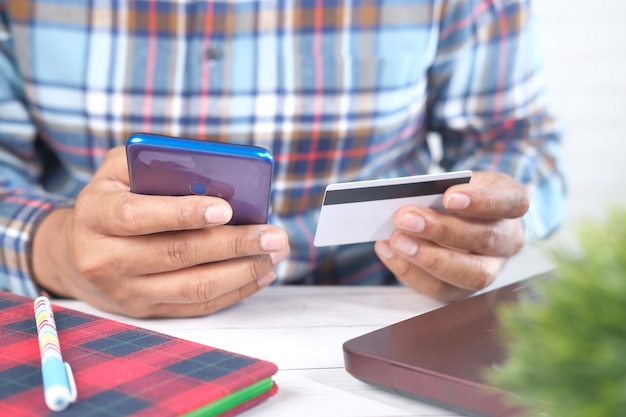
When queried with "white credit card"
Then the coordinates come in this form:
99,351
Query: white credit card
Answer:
362,211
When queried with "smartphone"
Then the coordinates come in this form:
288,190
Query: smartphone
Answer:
172,166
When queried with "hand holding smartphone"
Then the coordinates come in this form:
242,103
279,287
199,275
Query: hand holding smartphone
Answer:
240,174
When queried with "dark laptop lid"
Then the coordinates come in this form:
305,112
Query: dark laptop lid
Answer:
440,357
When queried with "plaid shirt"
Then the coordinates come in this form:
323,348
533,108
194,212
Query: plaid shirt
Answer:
338,90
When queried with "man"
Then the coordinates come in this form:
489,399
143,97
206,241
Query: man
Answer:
337,90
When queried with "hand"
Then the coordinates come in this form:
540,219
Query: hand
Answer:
148,256
450,255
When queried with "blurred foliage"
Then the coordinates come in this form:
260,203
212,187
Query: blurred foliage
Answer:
567,353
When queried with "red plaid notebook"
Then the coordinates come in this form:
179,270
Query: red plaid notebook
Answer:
123,370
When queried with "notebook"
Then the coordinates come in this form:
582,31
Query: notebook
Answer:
440,357
123,370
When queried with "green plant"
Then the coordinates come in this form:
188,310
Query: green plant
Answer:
567,354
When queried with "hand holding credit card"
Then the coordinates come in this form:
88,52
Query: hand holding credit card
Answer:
362,211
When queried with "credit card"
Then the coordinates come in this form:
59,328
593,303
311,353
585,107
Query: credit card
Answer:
362,211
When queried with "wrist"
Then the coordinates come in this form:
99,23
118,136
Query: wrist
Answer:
50,254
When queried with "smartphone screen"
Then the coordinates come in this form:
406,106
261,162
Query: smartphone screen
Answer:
240,174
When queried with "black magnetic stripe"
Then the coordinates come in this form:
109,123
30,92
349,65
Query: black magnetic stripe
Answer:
388,192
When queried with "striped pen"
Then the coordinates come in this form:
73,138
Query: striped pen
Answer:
58,379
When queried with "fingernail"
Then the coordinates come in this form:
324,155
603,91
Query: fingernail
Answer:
384,250
405,245
218,214
457,201
272,241
266,279
276,257
412,222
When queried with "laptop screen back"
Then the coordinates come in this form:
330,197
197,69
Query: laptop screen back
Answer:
440,357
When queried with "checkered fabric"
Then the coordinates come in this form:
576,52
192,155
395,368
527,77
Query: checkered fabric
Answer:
120,370
337,90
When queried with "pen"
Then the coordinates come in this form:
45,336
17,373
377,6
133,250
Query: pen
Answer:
58,379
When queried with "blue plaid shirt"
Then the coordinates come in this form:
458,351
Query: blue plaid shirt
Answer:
338,90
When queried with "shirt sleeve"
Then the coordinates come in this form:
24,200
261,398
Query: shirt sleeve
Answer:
23,201
488,101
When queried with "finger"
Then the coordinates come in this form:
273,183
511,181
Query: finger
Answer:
193,309
488,195
203,283
416,278
128,214
464,270
207,307
164,252
502,237
116,211
114,168
199,284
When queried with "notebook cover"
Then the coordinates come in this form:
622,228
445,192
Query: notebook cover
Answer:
123,370
441,357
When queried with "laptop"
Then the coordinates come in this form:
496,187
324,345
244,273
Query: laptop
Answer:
440,357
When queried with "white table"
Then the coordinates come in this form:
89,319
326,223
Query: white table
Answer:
302,330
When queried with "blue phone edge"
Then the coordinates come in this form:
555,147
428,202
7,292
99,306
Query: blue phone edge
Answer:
222,148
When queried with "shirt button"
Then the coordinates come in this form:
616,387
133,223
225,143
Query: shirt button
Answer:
213,54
